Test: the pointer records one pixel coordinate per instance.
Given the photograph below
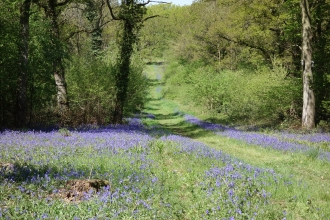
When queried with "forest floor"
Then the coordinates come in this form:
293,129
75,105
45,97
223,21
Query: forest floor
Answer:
301,168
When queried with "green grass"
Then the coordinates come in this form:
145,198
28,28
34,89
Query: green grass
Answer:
310,177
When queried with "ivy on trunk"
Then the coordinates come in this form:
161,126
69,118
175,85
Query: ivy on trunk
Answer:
131,14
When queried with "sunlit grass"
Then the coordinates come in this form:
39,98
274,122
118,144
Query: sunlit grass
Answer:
309,177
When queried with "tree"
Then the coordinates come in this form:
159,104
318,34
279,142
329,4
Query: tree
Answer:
321,39
94,14
308,114
52,11
22,79
9,41
131,13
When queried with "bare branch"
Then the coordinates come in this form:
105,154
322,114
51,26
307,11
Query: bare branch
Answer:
74,33
104,23
84,31
101,18
147,18
162,2
143,4
111,11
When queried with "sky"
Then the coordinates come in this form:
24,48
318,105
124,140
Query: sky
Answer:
176,2
181,2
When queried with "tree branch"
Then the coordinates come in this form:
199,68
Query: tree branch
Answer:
147,18
144,4
85,31
111,11
244,43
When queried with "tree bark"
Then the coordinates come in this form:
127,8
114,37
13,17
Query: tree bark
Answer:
22,79
94,14
122,77
308,114
131,14
321,54
57,65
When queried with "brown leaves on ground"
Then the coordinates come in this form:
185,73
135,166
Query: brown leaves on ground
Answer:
7,167
77,190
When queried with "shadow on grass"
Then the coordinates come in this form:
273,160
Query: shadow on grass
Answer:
24,172
175,124
156,82
154,63
247,126
170,116
149,108
18,173
187,130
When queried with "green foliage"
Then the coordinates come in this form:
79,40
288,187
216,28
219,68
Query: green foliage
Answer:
8,62
138,88
92,89
160,33
266,94
91,81
42,89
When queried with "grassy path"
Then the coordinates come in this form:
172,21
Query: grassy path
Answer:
315,174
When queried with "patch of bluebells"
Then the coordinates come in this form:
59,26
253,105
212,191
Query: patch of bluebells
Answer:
204,124
26,145
33,152
310,137
272,142
233,190
31,155
150,116
264,140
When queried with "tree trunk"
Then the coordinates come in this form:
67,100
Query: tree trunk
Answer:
321,54
122,76
22,80
93,13
57,65
308,114
62,100
131,14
